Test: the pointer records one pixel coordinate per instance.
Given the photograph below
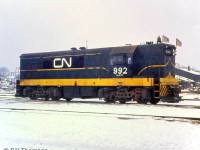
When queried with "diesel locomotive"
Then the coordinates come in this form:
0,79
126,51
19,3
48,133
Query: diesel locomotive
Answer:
142,73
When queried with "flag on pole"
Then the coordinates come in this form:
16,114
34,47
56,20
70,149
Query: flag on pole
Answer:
178,42
165,39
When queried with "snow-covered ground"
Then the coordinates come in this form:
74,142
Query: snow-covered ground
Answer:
54,131
93,124
7,91
191,96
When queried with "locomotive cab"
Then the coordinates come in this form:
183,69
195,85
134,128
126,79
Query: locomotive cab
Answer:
121,65
121,62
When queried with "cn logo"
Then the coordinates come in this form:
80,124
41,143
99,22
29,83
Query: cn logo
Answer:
62,62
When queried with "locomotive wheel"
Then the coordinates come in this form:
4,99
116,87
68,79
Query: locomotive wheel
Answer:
33,96
108,98
54,93
143,101
47,95
47,98
68,99
122,101
56,98
154,101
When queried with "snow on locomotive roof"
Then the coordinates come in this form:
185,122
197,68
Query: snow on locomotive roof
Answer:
127,49
63,52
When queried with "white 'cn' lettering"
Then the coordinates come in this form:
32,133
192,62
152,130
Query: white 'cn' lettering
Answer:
60,62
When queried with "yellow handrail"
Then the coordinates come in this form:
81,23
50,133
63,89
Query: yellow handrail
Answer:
156,66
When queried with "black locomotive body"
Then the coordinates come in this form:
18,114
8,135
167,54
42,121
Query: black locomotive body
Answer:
142,73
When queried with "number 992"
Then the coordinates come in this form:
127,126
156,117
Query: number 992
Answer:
120,70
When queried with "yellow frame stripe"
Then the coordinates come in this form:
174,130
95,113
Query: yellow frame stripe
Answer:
89,82
168,80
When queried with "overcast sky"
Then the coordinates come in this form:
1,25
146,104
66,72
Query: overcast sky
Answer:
28,26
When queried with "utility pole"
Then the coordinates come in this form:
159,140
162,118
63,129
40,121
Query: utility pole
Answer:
86,45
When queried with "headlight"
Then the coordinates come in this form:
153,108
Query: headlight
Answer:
169,52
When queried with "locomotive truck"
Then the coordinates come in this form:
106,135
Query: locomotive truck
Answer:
142,73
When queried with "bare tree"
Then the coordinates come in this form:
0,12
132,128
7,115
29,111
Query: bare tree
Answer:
3,72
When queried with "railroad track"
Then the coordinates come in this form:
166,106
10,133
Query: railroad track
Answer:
100,102
124,116
180,106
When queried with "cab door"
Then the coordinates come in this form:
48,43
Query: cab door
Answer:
121,65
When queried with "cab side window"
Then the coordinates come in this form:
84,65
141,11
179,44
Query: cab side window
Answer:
129,60
117,60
